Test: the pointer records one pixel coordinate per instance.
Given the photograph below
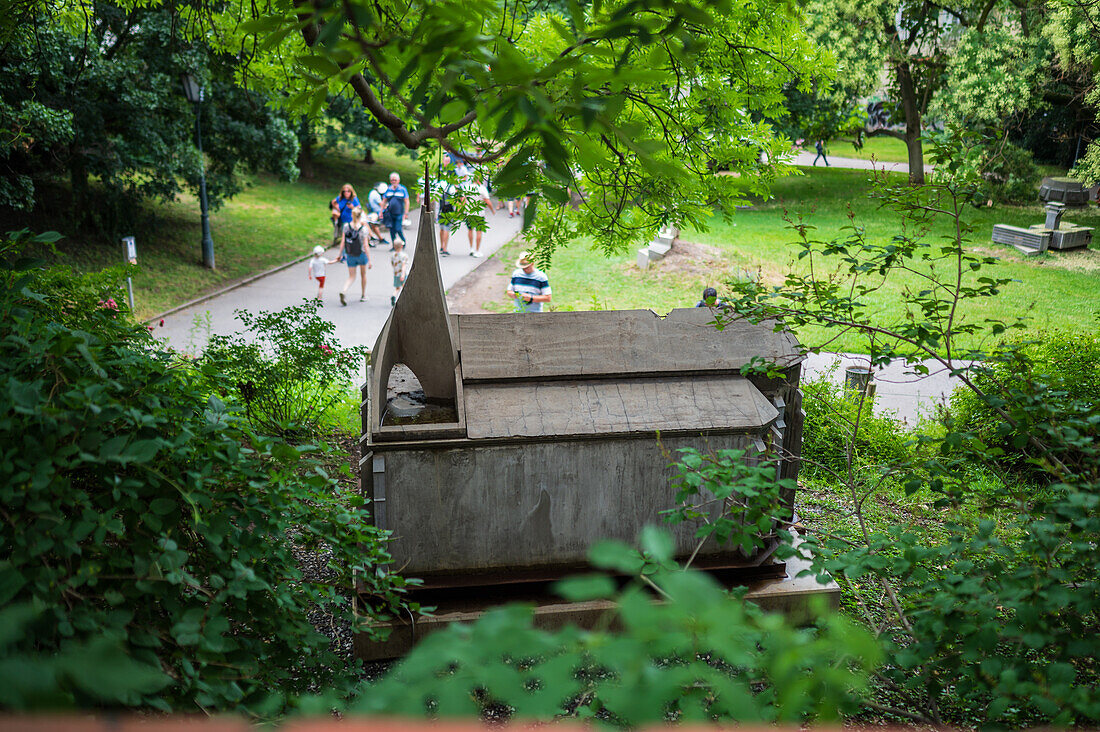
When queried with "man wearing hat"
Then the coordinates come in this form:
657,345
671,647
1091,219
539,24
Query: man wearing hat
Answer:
529,286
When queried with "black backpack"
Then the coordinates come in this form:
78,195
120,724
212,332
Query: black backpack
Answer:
353,242
445,205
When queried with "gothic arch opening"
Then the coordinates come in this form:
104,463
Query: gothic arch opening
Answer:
407,404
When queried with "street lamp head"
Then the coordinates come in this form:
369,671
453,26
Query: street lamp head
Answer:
192,89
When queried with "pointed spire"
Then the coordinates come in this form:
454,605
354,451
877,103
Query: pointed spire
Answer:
418,332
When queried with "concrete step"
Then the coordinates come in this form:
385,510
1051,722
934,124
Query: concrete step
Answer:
659,249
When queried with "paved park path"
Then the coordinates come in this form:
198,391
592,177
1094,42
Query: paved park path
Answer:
807,159
905,395
357,323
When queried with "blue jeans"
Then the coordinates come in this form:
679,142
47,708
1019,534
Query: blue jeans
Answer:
394,222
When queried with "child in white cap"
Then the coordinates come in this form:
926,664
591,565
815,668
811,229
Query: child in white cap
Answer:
374,218
317,268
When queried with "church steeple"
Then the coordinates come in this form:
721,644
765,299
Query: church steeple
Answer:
418,332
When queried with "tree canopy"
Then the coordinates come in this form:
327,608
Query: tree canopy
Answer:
91,97
92,91
987,65
630,104
1074,31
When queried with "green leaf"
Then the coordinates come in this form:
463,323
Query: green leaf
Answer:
657,542
585,587
321,65
104,671
616,555
141,451
163,506
11,581
263,24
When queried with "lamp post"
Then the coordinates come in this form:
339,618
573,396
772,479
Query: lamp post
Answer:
194,93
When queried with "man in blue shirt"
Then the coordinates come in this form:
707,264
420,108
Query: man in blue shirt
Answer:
529,286
396,208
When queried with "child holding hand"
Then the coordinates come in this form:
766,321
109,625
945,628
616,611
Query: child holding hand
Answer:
317,268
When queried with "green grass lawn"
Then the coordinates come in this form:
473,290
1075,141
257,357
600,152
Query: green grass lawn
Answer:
268,224
883,149
1057,290
892,150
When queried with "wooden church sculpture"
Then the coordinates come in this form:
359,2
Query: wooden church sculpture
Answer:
552,430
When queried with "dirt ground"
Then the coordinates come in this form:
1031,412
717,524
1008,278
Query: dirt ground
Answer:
1081,260
485,284
488,282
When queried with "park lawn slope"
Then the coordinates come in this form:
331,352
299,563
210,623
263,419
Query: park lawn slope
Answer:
269,224
1059,290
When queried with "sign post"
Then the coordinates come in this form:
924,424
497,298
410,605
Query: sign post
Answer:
129,253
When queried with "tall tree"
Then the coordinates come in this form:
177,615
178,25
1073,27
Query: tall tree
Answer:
92,92
1074,30
930,52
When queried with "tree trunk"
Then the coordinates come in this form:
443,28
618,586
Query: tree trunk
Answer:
911,111
78,180
305,158
368,157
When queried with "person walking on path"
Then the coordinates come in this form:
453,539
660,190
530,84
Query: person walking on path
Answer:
530,287
317,268
345,203
374,217
447,193
353,247
515,206
337,226
397,208
400,261
820,147
710,298
474,233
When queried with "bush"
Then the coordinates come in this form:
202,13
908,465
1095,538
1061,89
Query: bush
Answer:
986,165
701,655
840,421
139,509
290,372
984,592
1012,174
1048,378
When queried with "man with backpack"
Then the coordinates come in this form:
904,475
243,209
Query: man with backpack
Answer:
447,220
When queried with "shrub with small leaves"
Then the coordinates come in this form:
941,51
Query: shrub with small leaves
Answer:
986,588
732,495
692,652
138,508
1047,377
835,414
289,371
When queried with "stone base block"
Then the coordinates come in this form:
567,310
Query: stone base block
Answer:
1033,240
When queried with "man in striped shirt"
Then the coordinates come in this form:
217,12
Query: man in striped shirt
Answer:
529,286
